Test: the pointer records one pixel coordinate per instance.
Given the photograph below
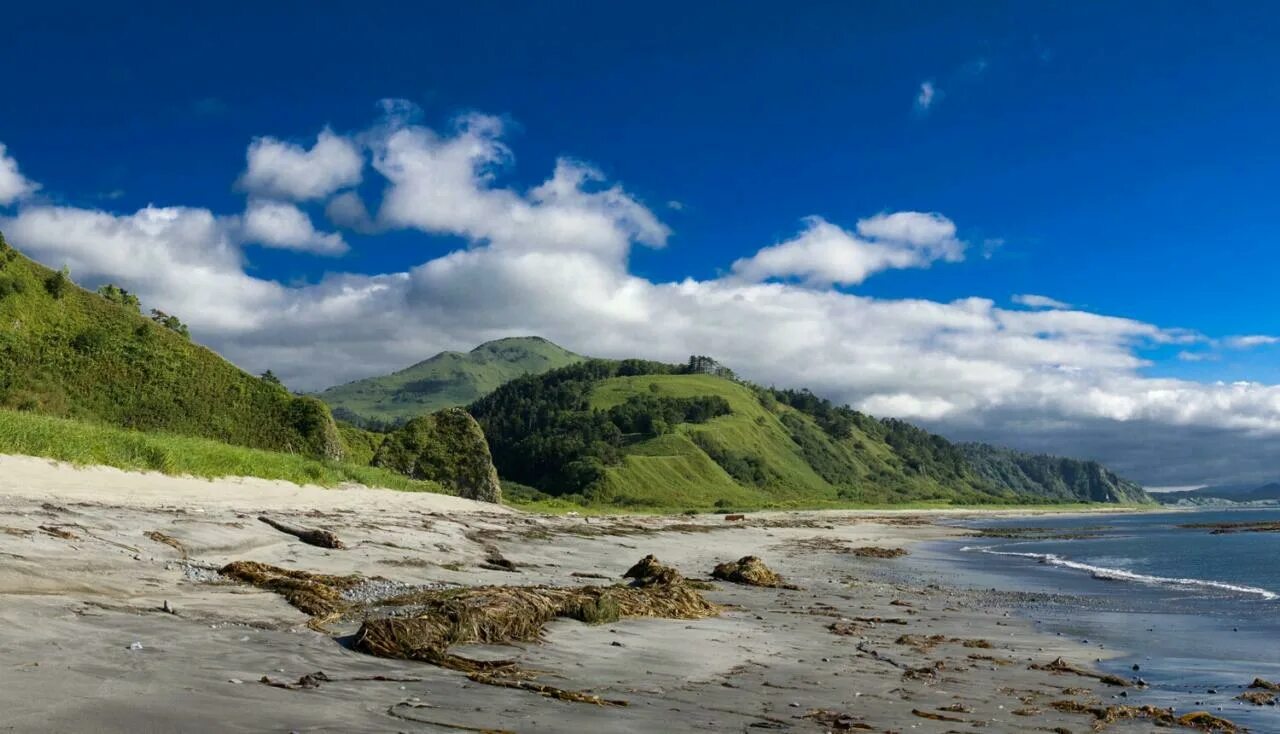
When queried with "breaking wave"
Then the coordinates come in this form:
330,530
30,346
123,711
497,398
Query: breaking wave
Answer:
1120,574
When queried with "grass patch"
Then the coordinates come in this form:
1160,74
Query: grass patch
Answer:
86,444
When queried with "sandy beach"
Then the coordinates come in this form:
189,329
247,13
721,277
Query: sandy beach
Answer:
108,627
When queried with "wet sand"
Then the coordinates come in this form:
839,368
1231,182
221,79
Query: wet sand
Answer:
82,582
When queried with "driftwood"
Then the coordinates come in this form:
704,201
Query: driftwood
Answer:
310,536
313,680
168,540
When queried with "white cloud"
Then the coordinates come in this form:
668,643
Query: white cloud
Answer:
180,258
823,254
1250,341
13,185
1187,356
927,97
552,260
285,226
284,170
1031,300
443,185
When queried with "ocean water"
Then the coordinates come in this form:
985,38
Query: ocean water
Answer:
1196,612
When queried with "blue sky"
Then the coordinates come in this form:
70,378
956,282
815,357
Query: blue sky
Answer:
1117,157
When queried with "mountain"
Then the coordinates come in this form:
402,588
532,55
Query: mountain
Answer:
67,352
1052,477
646,434
447,380
1227,493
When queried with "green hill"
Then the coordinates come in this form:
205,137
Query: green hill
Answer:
94,357
447,380
1053,477
636,433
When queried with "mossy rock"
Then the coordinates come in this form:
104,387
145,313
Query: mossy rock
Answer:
446,447
315,427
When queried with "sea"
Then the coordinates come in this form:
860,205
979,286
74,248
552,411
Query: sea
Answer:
1198,613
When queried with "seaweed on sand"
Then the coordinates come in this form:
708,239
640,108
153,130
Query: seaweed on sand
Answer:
1258,698
1058,665
649,571
168,540
317,595
751,571
500,614
427,623
1104,716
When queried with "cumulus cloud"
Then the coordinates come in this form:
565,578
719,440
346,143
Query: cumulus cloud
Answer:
285,226
823,254
1031,300
285,170
13,185
443,184
553,260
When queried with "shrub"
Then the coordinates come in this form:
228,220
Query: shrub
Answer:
120,296
11,285
172,323
58,283
90,341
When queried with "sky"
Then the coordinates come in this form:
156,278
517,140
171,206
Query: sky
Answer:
1048,225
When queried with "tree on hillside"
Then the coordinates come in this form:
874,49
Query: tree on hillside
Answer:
118,295
172,323
58,284
702,365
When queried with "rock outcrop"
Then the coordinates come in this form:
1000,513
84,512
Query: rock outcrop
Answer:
446,447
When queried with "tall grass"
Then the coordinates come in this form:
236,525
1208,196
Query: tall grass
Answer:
87,444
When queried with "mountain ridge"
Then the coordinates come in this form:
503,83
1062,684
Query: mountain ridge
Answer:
1052,476
445,380
640,433
1232,493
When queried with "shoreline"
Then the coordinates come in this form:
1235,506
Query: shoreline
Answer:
1198,640
854,646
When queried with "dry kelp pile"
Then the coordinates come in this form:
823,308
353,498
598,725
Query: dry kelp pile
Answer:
1262,692
751,571
1104,716
1058,665
423,624
875,551
317,595
823,544
499,614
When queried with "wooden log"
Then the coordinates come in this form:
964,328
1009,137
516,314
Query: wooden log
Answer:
310,536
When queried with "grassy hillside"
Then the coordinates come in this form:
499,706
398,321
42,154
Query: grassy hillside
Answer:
98,445
67,352
447,380
644,434
1052,477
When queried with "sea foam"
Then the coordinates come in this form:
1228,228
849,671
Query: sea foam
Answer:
1120,574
